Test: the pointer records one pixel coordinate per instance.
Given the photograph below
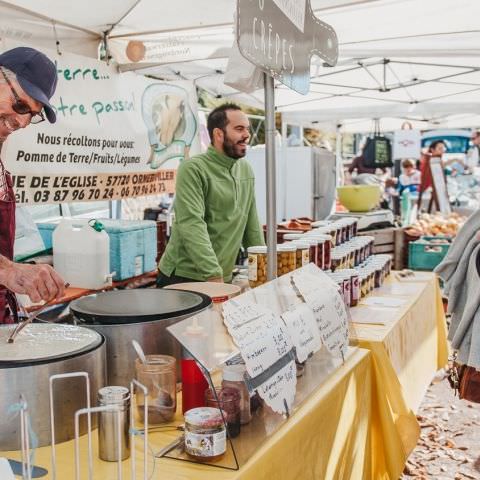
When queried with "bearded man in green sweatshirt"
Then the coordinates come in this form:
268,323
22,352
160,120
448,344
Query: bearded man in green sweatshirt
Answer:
215,210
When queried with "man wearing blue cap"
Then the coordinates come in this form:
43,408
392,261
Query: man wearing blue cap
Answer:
27,82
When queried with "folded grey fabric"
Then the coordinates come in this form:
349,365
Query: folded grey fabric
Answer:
464,331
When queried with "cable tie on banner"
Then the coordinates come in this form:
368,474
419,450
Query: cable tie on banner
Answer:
57,41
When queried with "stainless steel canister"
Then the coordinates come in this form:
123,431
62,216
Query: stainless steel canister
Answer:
107,423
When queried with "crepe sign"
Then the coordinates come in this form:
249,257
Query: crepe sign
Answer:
280,37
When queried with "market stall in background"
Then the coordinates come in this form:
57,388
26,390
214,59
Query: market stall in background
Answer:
329,334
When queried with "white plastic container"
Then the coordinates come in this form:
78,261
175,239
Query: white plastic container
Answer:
81,253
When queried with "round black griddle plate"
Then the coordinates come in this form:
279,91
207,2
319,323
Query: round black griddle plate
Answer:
137,306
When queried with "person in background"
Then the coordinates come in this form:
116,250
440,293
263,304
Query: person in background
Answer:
27,82
435,150
410,178
473,154
358,166
215,209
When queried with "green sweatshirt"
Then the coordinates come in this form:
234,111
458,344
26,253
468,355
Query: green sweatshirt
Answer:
215,213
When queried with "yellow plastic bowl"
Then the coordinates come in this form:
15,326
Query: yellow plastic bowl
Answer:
359,198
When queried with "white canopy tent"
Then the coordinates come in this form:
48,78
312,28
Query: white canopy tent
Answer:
399,59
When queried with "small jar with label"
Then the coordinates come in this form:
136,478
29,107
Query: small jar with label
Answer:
286,258
233,377
337,258
320,249
347,287
205,434
312,253
354,287
228,400
257,265
303,253
363,284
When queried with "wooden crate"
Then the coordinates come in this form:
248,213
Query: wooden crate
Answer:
388,240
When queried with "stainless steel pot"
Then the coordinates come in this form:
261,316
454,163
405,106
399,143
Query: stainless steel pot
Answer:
142,315
31,379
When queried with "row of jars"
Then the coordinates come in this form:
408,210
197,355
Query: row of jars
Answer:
342,230
352,253
356,283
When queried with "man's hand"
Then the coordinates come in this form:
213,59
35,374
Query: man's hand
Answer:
215,279
39,282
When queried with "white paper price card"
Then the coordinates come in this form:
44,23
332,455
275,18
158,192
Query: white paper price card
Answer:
303,330
329,310
262,342
278,392
236,314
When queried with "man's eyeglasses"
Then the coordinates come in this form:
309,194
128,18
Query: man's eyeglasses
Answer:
20,106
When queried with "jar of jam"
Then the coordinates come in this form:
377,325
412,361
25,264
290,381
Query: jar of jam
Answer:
347,287
226,399
337,258
205,434
312,254
320,249
354,287
303,253
257,265
286,258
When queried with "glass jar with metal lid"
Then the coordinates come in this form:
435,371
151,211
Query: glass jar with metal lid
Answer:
286,258
205,434
257,265
312,254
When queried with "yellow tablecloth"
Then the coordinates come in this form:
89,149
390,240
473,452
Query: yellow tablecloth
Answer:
407,351
359,424
328,438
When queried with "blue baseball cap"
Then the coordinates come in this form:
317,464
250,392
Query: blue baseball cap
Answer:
36,74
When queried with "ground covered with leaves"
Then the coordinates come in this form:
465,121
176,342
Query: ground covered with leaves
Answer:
449,446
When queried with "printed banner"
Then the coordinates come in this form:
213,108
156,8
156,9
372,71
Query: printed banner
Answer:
116,136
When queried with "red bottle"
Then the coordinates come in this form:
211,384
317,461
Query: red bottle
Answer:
194,384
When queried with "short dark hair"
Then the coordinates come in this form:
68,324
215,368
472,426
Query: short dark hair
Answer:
434,144
218,117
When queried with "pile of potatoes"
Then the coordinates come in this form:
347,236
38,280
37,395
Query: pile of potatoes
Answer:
436,224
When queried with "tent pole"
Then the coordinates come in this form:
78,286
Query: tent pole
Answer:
284,168
270,176
338,154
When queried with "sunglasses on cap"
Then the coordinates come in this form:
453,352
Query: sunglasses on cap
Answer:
20,106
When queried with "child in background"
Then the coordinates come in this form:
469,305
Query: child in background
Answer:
410,178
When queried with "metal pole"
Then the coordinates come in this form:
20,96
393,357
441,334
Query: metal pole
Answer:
271,176
284,168
338,154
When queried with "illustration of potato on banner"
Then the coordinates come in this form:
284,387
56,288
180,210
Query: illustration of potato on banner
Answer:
170,122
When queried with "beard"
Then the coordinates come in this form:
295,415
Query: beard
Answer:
234,149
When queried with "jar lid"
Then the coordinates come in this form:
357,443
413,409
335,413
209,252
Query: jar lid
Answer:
286,247
301,244
204,417
292,236
320,236
113,395
321,223
257,249
234,373
310,240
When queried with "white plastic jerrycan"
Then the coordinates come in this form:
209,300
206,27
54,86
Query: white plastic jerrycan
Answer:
81,253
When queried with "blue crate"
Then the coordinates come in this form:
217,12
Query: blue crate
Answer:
133,245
